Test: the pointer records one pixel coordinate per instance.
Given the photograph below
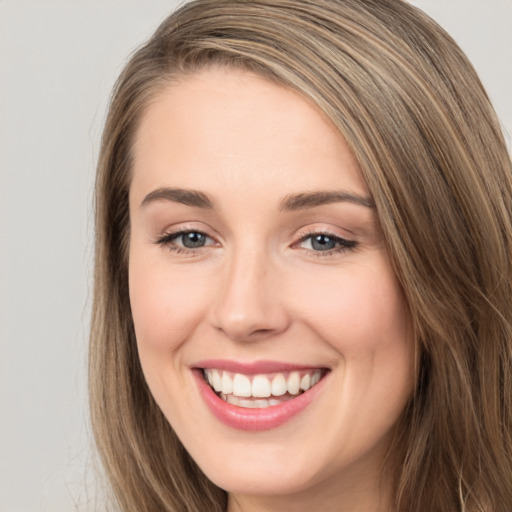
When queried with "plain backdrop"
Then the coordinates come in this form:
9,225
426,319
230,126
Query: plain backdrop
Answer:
58,62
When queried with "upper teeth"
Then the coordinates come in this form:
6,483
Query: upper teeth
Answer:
261,386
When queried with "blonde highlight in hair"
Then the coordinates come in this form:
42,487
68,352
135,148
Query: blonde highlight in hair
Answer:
429,145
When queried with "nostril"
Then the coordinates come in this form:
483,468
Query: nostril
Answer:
262,331
246,334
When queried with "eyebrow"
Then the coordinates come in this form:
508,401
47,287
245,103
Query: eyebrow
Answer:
292,202
179,195
312,199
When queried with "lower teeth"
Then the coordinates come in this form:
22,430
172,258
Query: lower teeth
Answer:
255,403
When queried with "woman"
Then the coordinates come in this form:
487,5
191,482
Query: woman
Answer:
303,274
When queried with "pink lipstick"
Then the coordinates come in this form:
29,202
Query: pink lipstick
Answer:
257,396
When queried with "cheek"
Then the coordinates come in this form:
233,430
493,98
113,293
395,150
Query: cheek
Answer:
363,316
166,306
166,309
358,311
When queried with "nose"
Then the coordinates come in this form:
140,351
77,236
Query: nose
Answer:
248,306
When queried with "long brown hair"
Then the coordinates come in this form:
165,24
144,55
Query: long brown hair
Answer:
429,145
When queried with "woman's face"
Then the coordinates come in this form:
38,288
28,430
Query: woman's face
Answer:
256,262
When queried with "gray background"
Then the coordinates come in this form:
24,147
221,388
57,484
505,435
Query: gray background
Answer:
58,62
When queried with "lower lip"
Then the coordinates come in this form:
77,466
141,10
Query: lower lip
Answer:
254,420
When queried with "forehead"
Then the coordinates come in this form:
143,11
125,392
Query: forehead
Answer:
229,128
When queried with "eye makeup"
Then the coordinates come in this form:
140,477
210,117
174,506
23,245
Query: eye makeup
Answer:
319,243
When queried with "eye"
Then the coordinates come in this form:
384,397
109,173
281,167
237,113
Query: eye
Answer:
192,239
322,242
184,241
326,243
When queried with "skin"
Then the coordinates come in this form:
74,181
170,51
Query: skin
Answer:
260,290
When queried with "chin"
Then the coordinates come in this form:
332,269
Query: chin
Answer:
263,481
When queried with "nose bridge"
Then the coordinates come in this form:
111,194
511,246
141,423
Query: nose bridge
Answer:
247,305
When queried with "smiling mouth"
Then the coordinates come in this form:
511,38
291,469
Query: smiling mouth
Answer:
260,391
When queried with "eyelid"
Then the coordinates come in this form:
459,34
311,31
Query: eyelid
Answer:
320,230
177,234
344,244
167,239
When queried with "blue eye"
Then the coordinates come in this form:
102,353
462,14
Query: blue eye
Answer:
322,242
326,243
192,239
185,240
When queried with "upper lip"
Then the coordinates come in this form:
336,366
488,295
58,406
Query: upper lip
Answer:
253,367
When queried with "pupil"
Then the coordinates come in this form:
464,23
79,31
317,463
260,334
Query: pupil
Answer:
322,243
193,240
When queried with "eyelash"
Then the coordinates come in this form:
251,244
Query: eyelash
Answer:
342,244
167,240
